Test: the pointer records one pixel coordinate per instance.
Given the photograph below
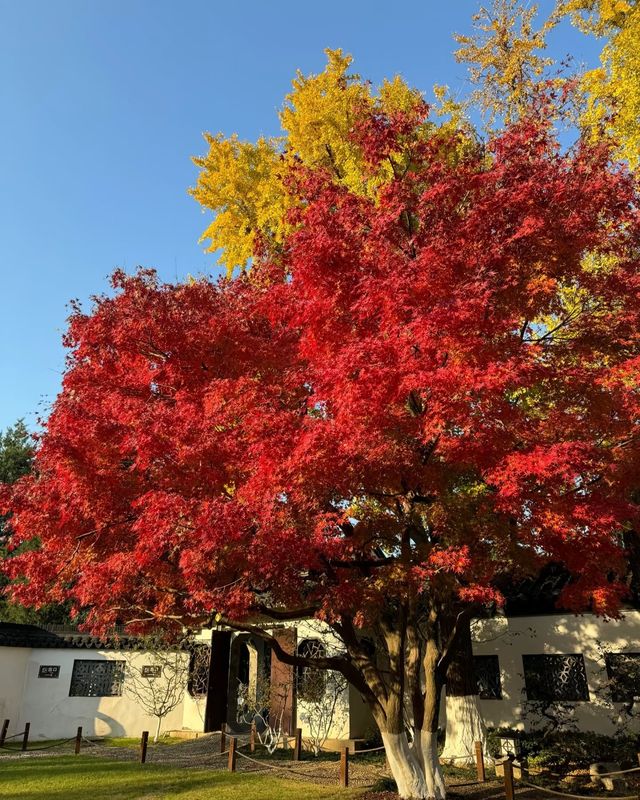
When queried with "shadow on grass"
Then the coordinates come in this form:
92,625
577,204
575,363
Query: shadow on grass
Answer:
84,778
87,778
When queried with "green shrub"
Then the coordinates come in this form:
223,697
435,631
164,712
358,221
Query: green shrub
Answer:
569,749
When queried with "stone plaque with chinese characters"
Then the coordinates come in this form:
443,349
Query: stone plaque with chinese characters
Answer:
49,671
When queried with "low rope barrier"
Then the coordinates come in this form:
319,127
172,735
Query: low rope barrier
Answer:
354,752
543,771
618,772
32,749
244,744
15,735
562,775
269,766
50,746
359,752
92,743
284,768
578,796
470,757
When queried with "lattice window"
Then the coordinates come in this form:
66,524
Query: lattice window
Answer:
555,678
623,670
199,661
97,678
487,672
311,683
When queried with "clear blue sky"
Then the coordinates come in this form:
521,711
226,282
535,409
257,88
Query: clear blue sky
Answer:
104,102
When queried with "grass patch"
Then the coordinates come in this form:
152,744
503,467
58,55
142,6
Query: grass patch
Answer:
79,778
460,773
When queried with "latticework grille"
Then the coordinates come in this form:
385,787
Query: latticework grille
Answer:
96,678
555,677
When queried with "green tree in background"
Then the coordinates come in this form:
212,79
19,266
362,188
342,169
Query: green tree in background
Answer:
17,449
16,453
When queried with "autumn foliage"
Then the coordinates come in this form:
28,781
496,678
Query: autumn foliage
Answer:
420,389
406,383
612,91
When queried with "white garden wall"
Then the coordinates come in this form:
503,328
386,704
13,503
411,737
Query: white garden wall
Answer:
53,714
561,634
13,665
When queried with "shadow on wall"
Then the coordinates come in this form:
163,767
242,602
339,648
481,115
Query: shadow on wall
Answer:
59,723
115,729
562,635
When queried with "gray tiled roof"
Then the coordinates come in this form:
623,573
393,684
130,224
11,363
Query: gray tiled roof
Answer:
15,635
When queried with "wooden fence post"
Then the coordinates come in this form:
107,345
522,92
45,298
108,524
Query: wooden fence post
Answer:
480,762
508,779
223,738
344,767
232,753
252,738
297,747
5,728
78,740
144,741
25,738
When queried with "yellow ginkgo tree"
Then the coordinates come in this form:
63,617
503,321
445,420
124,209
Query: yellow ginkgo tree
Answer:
245,184
612,91
505,58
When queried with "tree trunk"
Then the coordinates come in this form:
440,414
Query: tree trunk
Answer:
157,736
402,683
465,725
427,740
416,767
406,769
631,540
425,744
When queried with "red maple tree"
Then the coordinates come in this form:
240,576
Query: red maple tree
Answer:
418,394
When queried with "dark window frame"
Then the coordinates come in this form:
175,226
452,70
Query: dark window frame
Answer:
199,669
622,685
311,684
487,675
106,679
543,681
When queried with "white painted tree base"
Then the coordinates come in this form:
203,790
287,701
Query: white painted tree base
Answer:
426,745
415,767
465,727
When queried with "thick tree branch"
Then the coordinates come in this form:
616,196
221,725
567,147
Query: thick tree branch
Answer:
293,614
448,649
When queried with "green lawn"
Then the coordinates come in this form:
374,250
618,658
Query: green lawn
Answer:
88,778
